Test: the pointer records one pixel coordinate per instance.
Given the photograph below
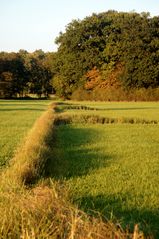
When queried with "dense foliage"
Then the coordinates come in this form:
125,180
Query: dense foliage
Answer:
109,50
23,73
110,55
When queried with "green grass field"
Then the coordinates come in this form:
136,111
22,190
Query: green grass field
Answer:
138,110
112,168
107,168
16,118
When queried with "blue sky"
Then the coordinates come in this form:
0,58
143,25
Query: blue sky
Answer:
34,24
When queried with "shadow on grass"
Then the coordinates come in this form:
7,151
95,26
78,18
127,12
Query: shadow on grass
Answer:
73,155
112,208
131,108
21,104
63,106
21,109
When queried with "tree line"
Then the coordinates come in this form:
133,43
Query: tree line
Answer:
23,73
111,55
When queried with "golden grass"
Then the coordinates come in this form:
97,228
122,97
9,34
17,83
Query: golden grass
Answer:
41,210
29,160
44,213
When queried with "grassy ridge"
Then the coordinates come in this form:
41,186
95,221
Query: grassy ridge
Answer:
110,168
16,118
86,160
28,164
41,211
117,110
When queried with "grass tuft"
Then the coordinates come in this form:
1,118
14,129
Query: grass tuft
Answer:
32,208
29,161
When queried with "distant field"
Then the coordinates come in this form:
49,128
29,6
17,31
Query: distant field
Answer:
16,118
112,168
141,110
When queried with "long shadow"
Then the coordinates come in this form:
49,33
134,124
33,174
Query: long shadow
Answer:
22,104
112,207
22,109
72,153
72,156
131,108
66,106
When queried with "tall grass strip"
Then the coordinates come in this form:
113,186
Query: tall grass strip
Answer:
41,210
29,161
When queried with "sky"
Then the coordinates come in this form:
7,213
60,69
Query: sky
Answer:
35,24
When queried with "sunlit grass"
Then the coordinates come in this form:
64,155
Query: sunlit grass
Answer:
112,168
106,168
138,110
41,209
16,118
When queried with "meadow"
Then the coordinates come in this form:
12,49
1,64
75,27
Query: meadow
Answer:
101,158
119,110
111,168
16,118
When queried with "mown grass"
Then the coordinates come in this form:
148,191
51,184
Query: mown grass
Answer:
38,209
111,168
135,110
16,118
106,168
